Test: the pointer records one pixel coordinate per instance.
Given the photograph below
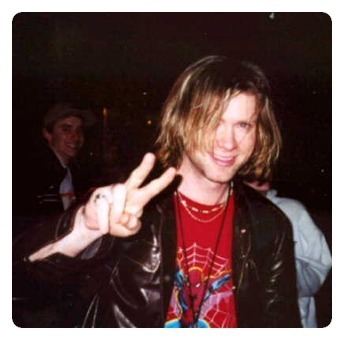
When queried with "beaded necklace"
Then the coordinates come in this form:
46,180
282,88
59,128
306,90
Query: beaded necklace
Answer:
192,209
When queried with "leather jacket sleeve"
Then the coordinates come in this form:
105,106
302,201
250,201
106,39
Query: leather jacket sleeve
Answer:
57,269
48,293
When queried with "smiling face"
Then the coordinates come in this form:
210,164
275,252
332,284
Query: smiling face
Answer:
66,137
234,142
191,136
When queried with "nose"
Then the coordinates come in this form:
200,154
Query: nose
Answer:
225,138
76,135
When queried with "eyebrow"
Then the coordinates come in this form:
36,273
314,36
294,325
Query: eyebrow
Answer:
70,125
253,118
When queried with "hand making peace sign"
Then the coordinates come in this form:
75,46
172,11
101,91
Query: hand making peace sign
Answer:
116,209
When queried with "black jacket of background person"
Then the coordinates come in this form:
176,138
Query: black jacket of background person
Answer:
127,282
36,185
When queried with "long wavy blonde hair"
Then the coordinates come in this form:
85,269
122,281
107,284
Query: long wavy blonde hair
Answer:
196,102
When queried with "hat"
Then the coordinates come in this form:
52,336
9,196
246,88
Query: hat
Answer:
63,110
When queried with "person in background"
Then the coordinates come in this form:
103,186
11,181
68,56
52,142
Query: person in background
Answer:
312,254
193,246
52,178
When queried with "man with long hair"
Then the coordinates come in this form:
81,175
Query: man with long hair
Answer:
194,247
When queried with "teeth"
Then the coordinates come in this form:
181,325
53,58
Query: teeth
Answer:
223,159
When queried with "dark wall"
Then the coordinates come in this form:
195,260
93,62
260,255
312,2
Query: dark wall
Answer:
128,61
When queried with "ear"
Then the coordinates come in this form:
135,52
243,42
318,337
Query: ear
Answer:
47,135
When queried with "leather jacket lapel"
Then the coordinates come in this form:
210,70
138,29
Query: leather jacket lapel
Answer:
169,248
242,237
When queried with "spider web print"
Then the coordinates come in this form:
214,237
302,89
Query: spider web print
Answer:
197,256
214,310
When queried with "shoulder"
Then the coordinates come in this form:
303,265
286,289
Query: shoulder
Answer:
260,212
293,208
44,158
257,202
285,201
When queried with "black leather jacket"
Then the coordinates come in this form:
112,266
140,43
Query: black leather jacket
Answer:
128,282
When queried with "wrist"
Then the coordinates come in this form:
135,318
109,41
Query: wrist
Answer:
73,243
79,238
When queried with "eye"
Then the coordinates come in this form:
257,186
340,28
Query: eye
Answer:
66,127
245,125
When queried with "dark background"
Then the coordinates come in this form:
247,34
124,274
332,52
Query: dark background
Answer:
127,62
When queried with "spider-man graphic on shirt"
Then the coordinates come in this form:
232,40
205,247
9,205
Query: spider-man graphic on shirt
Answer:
214,294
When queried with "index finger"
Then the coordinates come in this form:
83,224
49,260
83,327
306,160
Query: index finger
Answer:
140,173
154,187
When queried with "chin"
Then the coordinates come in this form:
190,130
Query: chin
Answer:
227,174
220,178
73,153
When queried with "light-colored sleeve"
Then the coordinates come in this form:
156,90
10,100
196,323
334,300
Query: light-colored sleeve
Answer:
313,257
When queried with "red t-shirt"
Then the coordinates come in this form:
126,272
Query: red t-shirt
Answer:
204,266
